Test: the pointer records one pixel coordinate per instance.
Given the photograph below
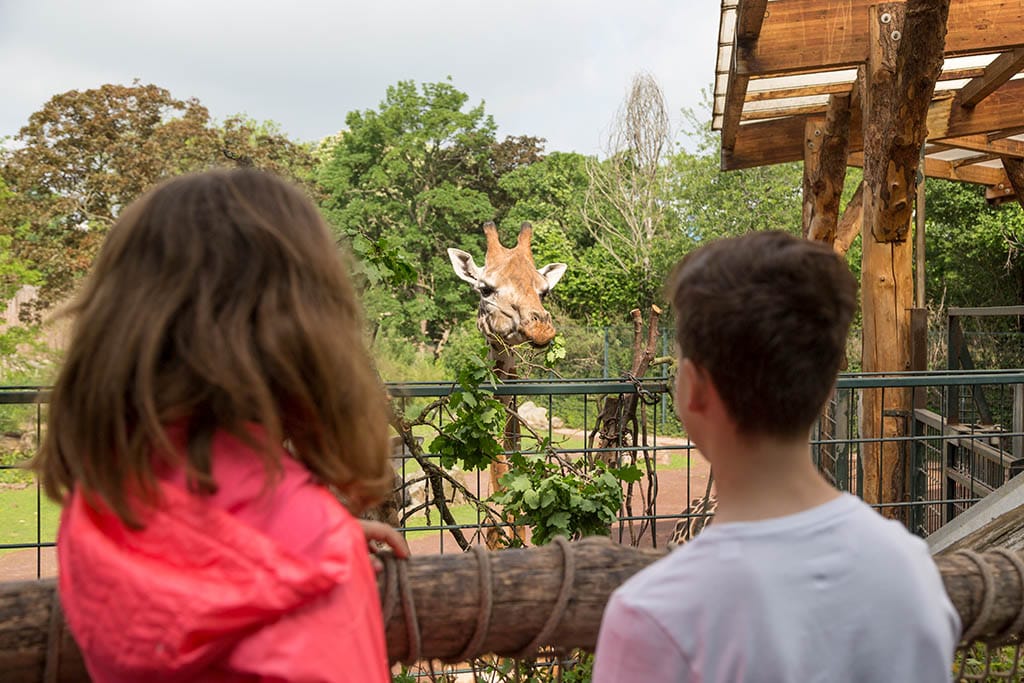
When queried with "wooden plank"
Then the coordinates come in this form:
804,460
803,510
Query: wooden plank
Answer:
781,140
749,17
1001,69
810,35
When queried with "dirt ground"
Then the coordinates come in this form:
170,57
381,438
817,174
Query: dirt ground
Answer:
676,488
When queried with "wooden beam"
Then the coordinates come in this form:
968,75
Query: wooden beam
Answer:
1015,174
798,91
904,63
447,594
1004,108
749,17
999,194
841,88
1006,133
778,112
937,168
810,35
981,143
850,224
813,130
970,161
781,140
1001,69
826,142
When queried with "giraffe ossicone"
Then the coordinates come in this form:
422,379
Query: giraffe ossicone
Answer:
511,290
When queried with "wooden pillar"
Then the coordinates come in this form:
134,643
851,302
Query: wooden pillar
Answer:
826,145
905,59
850,224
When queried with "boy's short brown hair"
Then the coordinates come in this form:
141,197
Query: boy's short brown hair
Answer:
766,315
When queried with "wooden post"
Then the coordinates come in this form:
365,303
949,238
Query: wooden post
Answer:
905,59
826,143
850,224
919,246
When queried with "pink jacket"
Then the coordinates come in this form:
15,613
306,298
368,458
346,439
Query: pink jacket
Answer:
244,585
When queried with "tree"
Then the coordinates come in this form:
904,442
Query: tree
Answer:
973,250
624,208
403,183
712,203
85,155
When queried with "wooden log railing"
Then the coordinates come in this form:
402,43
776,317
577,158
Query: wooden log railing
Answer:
469,604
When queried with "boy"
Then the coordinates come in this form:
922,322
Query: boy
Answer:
794,581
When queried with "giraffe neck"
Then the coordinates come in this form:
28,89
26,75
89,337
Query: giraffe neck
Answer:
504,363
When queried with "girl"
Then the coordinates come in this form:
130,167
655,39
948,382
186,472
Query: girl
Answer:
217,324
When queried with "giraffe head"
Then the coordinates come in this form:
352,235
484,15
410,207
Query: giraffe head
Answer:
511,290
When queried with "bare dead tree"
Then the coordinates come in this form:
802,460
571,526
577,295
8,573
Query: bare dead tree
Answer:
623,207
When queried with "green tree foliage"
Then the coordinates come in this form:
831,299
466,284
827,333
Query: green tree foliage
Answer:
712,203
973,250
406,181
85,155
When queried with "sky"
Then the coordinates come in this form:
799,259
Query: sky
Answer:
557,69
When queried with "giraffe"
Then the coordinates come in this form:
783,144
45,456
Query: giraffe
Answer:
511,312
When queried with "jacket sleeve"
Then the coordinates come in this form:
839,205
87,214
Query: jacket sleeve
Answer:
336,638
632,646
326,641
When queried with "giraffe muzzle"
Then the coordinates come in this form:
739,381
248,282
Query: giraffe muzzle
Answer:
539,334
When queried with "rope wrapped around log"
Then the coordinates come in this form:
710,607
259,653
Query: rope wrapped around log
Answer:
456,606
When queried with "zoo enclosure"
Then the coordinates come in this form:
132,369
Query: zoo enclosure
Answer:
948,464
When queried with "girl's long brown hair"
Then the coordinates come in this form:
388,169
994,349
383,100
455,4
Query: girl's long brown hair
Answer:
218,300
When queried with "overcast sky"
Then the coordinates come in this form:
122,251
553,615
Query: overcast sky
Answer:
556,69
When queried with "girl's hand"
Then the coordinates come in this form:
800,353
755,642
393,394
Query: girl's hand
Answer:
380,533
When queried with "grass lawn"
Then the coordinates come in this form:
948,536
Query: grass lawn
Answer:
464,514
18,515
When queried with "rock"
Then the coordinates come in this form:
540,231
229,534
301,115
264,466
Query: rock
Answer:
536,416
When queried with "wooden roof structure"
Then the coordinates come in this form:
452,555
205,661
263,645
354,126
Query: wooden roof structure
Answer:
781,62
930,86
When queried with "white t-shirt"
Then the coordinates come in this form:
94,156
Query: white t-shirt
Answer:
835,593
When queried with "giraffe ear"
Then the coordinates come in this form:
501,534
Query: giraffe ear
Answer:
464,266
552,272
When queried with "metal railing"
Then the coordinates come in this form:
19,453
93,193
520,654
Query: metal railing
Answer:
948,465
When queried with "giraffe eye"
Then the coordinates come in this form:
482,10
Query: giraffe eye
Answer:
486,291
